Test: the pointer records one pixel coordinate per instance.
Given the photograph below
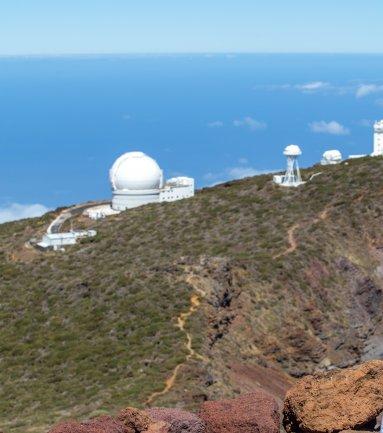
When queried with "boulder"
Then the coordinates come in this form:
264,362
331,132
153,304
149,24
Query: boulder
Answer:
349,399
249,413
355,431
179,421
135,420
158,427
104,424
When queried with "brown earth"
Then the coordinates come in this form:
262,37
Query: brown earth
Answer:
248,378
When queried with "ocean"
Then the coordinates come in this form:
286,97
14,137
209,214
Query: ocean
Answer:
64,120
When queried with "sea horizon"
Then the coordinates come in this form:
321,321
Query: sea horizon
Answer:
213,116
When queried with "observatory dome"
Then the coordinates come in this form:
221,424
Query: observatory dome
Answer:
292,150
331,157
135,171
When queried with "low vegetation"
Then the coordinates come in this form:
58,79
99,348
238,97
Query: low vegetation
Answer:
93,329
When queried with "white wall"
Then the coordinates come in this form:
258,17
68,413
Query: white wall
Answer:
177,188
176,193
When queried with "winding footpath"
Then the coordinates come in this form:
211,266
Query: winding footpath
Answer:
195,302
293,243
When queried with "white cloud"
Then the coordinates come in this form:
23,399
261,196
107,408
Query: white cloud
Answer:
215,124
366,123
360,90
249,122
313,86
367,89
241,172
333,128
310,87
231,173
209,176
243,160
16,211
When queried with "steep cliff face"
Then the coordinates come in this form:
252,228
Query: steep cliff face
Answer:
245,286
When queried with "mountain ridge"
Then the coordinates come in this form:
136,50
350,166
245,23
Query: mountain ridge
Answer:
288,281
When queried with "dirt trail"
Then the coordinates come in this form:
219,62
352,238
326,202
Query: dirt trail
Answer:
195,302
293,243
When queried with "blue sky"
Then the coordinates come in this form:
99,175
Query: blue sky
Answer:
125,26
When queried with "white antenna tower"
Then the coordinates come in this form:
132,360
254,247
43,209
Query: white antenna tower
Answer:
293,174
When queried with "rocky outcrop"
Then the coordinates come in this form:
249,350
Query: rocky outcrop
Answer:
104,424
249,413
255,412
179,421
135,420
339,400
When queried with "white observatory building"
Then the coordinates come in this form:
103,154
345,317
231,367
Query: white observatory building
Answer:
331,157
378,138
378,141
292,177
137,179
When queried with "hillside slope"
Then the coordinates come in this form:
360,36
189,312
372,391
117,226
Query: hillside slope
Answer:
245,285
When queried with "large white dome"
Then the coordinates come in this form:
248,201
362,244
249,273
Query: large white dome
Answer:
135,171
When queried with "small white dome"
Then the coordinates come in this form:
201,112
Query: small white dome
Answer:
332,155
135,171
292,150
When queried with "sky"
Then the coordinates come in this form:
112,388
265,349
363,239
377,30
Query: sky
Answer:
161,26
84,111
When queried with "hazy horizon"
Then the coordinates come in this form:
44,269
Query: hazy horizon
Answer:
191,53
213,26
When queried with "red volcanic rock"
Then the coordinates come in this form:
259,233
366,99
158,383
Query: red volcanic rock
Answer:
355,431
104,424
179,421
250,413
158,427
349,399
135,420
